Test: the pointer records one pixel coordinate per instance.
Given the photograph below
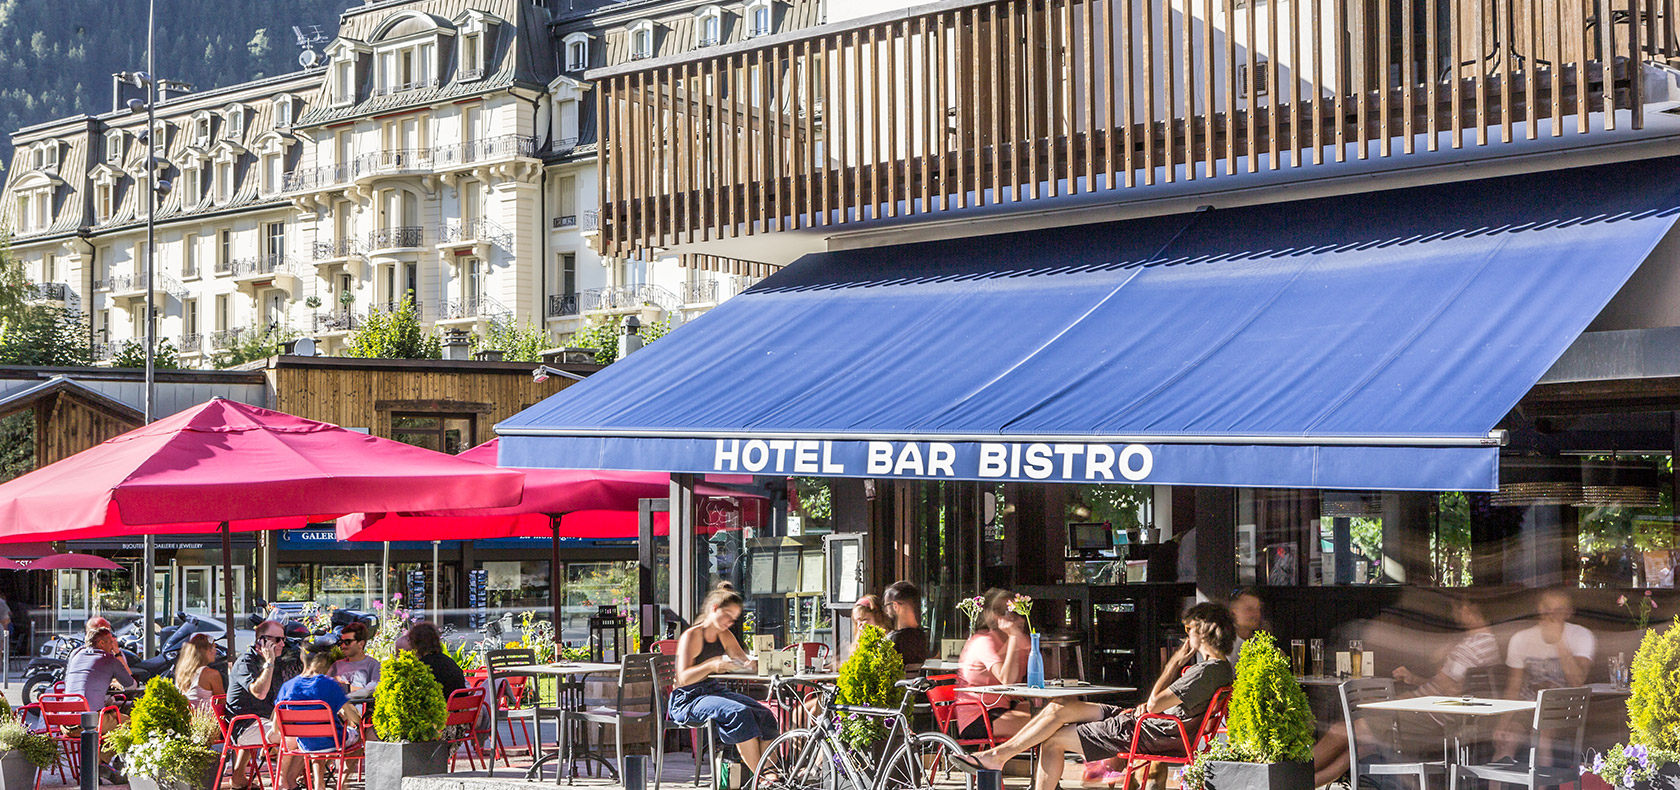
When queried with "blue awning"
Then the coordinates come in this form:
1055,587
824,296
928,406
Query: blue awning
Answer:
1369,341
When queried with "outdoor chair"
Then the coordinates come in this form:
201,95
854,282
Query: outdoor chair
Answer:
1212,720
62,715
465,708
1355,693
508,694
633,703
943,699
1557,713
313,719
665,679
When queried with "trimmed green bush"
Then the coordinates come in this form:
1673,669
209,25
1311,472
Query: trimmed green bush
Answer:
1269,711
1654,708
867,678
160,711
411,703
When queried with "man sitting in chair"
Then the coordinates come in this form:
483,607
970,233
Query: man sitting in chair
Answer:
1099,732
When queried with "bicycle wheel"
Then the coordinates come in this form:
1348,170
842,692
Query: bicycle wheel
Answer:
796,760
925,760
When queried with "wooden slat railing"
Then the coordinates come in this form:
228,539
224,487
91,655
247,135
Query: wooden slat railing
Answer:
1017,100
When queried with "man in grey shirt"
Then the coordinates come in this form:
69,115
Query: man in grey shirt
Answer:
356,670
91,669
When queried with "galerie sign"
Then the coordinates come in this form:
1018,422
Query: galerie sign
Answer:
1064,462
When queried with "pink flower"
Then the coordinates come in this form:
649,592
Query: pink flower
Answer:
1621,601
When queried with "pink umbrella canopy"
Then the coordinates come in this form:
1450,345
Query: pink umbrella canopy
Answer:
71,561
9,565
227,463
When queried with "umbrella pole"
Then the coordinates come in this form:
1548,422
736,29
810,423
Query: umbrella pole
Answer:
437,592
385,575
227,586
554,578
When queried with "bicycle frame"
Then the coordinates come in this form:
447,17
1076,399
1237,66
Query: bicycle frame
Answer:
826,730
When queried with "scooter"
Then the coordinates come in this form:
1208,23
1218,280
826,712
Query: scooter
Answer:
45,671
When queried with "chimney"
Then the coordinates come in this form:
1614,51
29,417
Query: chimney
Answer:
172,89
490,355
457,344
569,356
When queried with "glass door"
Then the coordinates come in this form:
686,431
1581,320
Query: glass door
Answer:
72,601
196,590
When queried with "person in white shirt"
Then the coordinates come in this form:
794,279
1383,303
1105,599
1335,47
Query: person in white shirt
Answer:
1552,654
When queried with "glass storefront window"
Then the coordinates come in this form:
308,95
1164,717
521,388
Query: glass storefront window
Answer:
448,433
292,583
593,584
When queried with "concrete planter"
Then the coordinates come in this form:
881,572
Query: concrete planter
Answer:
388,764
147,783
16,772
1259,776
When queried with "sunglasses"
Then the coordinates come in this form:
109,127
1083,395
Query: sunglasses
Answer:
347,639
271,639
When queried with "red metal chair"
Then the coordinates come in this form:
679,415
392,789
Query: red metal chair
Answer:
1212,719
62,715
466,707
313,719
943,699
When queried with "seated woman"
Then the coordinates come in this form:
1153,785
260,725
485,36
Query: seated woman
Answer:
1476,647
995,655
316,684
707,649
427,644
193,674
1099,732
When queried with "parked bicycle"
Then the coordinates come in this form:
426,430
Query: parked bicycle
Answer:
818,758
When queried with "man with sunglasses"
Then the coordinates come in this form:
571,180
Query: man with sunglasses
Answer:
255,682
356,670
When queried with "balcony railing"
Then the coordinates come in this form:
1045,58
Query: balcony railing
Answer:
134,283
48,292
468,75
700,292
402,87
625,297
476,229
1002,101
499,147
565,221
192,343
409,160
562,304
393,306
590,221
480,307
337,248
189,271
337,321
223,266
225,338
563,144
103,350
264,264
397,238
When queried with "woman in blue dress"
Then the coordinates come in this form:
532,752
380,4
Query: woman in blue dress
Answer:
707,649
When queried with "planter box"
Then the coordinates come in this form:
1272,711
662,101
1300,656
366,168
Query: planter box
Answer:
389,763
147,783
16,772
1259,776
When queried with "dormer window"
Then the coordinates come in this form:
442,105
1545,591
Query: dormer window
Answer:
709,27
761,20
471,66
283,110
233,122
641,40
46,156
577,51
114,146
344,81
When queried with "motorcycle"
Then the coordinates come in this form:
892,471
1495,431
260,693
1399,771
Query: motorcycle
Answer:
47,670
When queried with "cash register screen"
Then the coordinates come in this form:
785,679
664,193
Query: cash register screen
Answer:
1090,537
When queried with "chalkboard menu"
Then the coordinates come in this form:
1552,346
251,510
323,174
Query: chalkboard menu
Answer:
478,583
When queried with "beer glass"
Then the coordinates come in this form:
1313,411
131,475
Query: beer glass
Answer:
1298,655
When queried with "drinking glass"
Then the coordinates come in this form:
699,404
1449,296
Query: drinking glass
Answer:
1356,657
1318,657
1298,655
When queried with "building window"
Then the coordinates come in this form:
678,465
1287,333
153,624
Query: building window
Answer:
224,312
274,240
192,187
568,274
344,81
26,213
189,317
283,112
710,28
114,146
224,252
577,51
104,204
233,123
641,40
189,256
566,201
762,20
49,153
447,433
224,181
49,268
472,57
273,172
201,131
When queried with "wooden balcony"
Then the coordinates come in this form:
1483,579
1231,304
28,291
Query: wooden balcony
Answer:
1010,101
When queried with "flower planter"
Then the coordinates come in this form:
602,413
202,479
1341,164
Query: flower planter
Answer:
1259,776
16,772
1667,778
388,763
137,782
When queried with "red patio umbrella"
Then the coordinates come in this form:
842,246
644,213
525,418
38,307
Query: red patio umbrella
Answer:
71,561
10,565
558,503
225,466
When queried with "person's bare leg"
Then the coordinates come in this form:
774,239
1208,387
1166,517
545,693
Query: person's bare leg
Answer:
1011,722
1052,757
751,752
1054,717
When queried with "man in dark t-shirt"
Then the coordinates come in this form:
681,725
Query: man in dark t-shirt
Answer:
1099,732
903,602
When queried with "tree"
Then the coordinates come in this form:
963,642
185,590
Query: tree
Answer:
133,355
395,335
518,342
45,335
252,345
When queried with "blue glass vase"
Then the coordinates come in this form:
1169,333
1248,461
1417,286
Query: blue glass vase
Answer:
1035,666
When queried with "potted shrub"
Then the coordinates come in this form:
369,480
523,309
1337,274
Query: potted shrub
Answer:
409,720
867,678
1270,727
164,746
23,754
1651,757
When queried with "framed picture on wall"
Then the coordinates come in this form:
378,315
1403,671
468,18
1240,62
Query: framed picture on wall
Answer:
844,557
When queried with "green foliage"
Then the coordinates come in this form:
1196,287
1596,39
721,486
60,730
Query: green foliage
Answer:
1195,774
1627,766
38,749
463,655
162,710
518,342
394,335
17,444
1654,708
411,703
254,344
44,335
604,338
172,758
1269,711
133,355
867,678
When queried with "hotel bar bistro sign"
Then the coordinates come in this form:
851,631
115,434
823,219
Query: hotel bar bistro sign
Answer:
1059,462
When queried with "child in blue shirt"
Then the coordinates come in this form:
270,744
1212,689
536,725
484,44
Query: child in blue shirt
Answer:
317,684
